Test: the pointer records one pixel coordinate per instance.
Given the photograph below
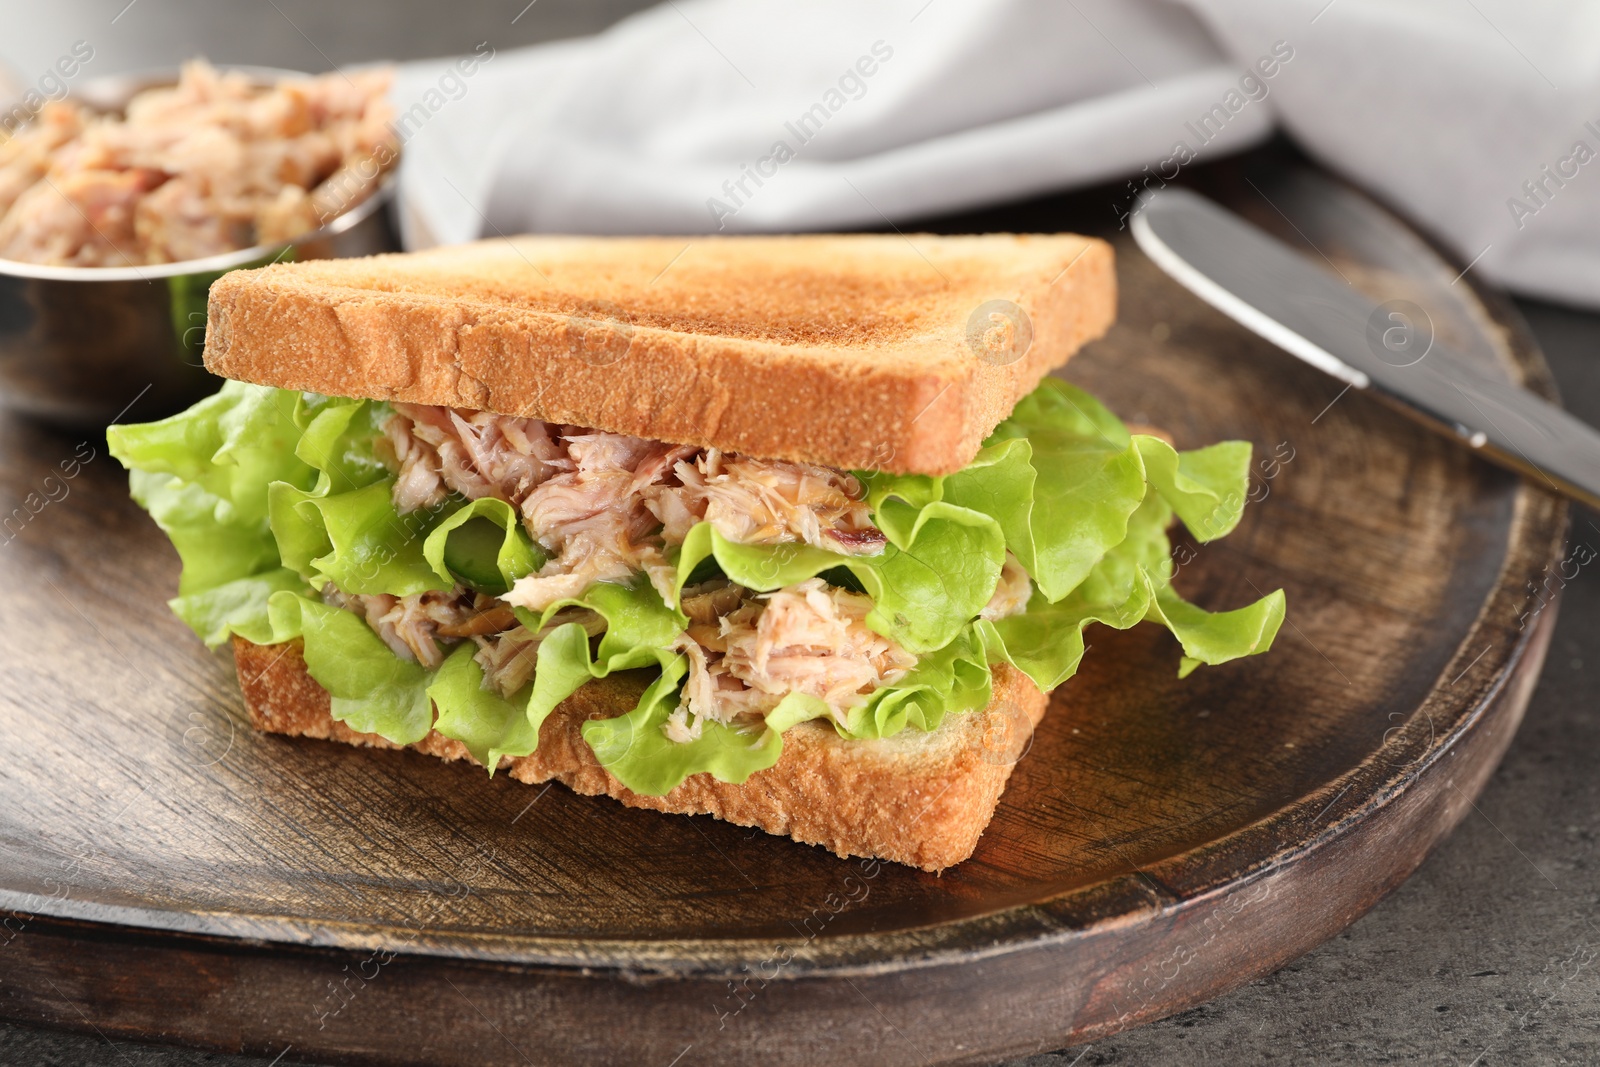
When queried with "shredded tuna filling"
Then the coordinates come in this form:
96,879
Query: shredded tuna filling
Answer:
605,507
420,626
748,651
211,165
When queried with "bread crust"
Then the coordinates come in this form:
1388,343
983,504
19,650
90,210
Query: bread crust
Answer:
921,799
848,351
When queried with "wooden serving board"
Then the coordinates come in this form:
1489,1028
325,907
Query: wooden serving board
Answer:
170,875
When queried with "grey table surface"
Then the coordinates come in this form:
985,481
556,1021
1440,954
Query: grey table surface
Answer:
1488,955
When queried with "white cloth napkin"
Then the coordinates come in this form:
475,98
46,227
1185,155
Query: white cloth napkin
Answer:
744,115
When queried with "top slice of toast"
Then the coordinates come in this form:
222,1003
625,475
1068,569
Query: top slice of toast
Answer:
896,353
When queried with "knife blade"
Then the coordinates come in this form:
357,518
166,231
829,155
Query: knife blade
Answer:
1272,290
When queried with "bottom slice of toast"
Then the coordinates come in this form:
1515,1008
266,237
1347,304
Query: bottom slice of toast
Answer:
919,798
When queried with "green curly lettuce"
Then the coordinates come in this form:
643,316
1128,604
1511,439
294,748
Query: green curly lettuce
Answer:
1131,584
345,529
269,495
483,546
636,749
236,607
1063,476
204,476
373,690
490,725
937,572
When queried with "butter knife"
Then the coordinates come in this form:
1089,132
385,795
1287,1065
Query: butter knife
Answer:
1283,296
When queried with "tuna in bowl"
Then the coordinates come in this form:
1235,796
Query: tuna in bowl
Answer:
119,208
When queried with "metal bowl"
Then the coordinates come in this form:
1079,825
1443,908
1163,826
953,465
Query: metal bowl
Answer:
83,346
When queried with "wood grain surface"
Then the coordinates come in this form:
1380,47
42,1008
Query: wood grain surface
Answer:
168,874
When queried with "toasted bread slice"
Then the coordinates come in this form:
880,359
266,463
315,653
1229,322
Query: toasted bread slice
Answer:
849,351
917,798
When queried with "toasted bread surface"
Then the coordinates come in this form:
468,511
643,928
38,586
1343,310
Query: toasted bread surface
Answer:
853,351
917,798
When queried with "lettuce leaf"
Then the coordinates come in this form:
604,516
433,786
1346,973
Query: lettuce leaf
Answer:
925,589
356,540
482,545
232,445
339,439
214,543
489,724
1045,642
640,630
203,476
268,493
1063,477
759,567
1131,584
1217,637
951,680
1058,406
345,528
1206,487
1083,492
635,747
373,690
236,607
1146,550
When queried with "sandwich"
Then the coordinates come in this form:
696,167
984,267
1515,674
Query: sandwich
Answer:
798,532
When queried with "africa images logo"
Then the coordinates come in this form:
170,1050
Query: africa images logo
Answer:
999,332
1208,126
804,128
